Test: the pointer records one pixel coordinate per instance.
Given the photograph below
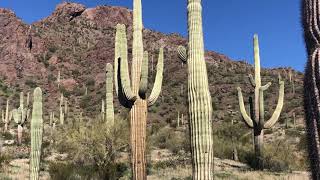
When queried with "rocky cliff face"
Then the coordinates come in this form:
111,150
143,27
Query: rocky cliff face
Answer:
79,41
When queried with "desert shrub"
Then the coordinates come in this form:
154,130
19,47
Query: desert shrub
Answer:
4,159
93,150
167,138
31,83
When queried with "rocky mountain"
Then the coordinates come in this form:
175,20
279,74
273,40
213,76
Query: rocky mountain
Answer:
79,41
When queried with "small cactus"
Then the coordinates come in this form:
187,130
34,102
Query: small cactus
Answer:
20,116
109,109
36,134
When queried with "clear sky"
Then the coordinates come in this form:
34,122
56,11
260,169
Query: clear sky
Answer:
229,25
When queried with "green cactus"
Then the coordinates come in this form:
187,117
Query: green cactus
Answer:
36,134
61,117
58,79
6,117
109,109
199,99
20,116
132,93
310,22
257,121
102,111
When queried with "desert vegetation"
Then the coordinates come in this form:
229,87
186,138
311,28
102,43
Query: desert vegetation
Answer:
99,119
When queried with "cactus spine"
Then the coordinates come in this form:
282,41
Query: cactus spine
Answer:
310,19
133,94
200,108
36,134
256,121
109,109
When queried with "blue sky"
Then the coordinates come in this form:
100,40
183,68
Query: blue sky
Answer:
229,25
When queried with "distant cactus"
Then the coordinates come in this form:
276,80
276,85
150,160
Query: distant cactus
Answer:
58,79
61,117
102,110
20,116
36,134
132,93
310,22
109,109
257,120
199,98
6,117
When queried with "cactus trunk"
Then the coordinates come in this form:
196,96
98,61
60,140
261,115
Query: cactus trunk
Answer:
109,111
310,19
36,134
199,98
19,134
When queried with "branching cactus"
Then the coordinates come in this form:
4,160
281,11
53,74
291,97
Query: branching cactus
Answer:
20,116
310,19
257,121
109,109
199,98
132,93
6,117
36,134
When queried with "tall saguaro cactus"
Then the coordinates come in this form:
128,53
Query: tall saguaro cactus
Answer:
36,134
200,108
6,117
109,116
256,121
310,19
133,94
61,117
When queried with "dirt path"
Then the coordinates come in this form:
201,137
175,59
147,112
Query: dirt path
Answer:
18,169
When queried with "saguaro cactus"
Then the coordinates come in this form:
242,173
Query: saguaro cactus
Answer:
133,94
310,19
109,116
20,115
6,117
36,134
61,117
257,120
102,110
200,108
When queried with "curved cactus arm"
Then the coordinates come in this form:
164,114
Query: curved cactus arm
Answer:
143,87
125,81
275,117
117,54
182,53
243,111
265,87
158,81
252,81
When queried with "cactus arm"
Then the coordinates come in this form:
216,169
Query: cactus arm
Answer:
117,55
16,116
182,53
122,79
246,117
158,81
109,112
265,87
275,117
143,87
36,134
252,82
